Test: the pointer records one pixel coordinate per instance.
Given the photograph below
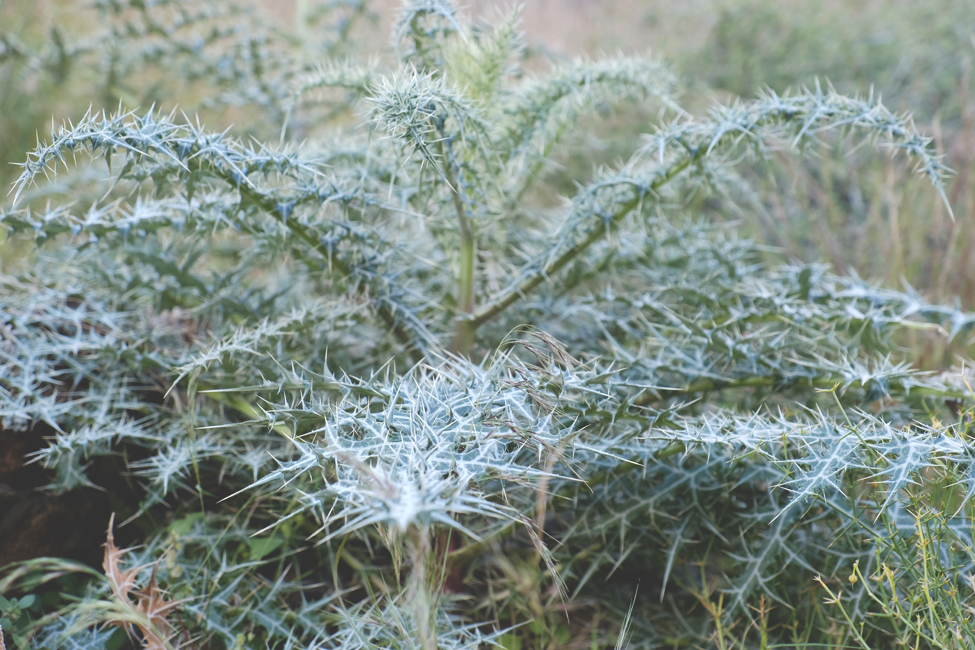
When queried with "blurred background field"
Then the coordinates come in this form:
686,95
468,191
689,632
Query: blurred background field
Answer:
862,213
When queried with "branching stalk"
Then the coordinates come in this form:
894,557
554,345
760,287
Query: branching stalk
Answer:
396,326
529,284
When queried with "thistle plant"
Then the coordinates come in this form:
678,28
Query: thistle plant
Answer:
382,389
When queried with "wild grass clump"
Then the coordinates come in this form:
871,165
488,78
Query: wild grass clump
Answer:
376,389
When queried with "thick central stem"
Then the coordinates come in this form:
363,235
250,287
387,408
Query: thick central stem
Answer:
418,586
464,328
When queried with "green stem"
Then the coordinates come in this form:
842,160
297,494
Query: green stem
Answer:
463,337
464,327
418,588
825,382
268,205
529,284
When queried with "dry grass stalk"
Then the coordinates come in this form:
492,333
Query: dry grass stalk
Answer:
148,612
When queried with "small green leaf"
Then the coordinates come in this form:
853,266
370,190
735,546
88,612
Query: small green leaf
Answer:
184,525
510,641
261,547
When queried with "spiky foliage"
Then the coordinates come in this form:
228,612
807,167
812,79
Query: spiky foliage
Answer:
380,390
